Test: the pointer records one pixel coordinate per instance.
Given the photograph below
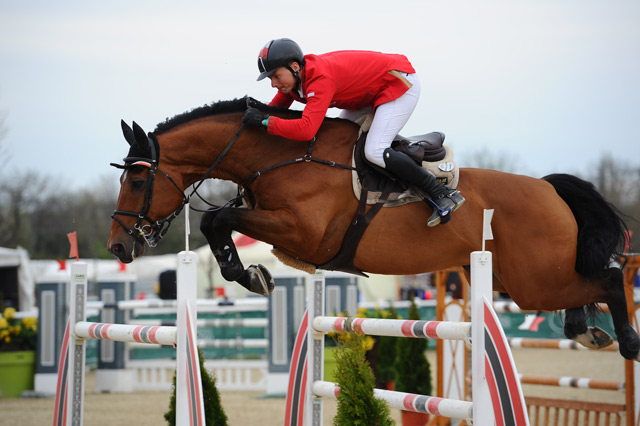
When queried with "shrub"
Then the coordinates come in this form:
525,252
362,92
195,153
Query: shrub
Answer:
213,412
412,369
357,405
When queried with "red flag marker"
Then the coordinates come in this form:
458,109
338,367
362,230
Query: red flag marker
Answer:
62,264
73,240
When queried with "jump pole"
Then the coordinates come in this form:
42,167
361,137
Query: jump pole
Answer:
69,409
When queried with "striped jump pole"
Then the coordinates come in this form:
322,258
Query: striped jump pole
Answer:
394,328
160,335
69,409
541,343
406,401
572,382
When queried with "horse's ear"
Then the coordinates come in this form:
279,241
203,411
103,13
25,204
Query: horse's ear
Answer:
127,132
141,141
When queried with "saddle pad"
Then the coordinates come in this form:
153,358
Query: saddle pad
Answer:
445,170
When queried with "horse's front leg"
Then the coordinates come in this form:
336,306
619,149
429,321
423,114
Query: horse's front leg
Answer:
217,227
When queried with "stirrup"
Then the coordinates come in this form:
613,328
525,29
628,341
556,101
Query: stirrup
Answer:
443,215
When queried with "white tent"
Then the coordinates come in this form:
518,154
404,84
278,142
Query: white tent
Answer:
19,259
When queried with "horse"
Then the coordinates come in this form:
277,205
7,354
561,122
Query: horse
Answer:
556,238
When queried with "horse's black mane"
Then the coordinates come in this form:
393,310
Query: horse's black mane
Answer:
220,107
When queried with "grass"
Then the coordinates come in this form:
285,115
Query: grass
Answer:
330,364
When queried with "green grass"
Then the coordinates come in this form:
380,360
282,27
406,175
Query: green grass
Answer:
330,364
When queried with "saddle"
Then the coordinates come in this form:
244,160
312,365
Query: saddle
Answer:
427,149
374,185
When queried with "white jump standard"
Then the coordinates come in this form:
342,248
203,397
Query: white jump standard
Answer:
70,391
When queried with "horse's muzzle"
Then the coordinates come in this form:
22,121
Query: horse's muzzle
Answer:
125,254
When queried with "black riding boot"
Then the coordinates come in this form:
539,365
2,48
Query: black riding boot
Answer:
446,199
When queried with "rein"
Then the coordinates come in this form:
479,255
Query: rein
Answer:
154,231
307,158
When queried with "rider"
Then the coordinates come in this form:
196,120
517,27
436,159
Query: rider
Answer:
359,82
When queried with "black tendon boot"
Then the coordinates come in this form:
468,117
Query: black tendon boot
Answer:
447,200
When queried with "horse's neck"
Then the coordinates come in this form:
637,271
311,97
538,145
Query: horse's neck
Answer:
194,149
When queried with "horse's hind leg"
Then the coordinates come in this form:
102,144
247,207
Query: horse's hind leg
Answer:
628,339
216,225
575,328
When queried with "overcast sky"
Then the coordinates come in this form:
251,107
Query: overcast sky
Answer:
550,85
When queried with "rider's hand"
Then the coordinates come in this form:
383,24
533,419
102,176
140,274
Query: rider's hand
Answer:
254,117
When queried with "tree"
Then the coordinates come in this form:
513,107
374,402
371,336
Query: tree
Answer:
356,402
412,369
483,158
18,198
618,181
213,411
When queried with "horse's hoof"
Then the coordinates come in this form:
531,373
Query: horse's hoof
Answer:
260,280
594,338
629,343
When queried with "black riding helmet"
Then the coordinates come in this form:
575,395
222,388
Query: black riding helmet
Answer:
279,53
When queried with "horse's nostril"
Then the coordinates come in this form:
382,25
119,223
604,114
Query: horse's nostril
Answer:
117,249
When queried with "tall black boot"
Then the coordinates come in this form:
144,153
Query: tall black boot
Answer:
446,200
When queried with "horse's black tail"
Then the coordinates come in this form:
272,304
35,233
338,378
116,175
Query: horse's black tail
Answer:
601,230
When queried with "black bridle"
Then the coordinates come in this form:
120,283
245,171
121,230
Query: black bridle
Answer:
155,230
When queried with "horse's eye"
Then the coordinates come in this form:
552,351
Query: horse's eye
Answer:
137,184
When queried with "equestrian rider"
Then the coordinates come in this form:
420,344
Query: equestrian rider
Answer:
358,82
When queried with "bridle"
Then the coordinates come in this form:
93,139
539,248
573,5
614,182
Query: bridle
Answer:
152,232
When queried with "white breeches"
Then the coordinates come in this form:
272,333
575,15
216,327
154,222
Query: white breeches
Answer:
388,120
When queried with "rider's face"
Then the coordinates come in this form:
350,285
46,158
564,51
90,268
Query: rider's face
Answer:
283,80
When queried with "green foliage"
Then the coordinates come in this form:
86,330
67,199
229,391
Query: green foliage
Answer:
213,411
412,369
385,349
356,404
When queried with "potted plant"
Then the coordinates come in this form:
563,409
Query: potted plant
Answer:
412,371
18,337
356,402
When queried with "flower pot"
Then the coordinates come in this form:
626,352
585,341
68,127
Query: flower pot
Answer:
17,369
410,418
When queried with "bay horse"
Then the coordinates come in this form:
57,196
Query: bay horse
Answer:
555,237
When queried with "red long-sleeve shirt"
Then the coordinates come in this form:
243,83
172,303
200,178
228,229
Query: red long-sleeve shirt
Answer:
349,79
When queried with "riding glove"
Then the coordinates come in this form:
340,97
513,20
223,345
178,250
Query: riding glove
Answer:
254,117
